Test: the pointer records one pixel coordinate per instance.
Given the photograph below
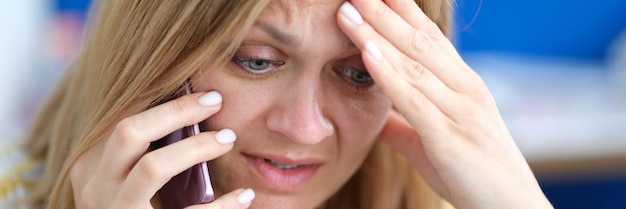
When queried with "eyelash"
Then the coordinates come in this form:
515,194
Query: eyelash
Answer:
243,63
347,80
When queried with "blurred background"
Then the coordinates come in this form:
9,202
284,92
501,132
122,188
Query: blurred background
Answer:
557,69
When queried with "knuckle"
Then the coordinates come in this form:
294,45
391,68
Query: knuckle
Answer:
150,168
433,31
381,11
420,43
415,70
417,101
201,144
179,106
128,129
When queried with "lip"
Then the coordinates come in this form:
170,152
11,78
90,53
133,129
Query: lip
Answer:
283,179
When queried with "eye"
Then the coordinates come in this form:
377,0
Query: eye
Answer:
256,66
357,76
356,79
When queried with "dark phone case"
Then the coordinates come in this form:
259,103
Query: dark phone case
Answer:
192,186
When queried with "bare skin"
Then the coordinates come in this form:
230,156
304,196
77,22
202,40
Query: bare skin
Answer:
300,107
453,133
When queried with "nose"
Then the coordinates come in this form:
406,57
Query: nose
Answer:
299,114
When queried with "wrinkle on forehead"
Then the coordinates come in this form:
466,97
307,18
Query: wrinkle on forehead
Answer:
290,8
300,19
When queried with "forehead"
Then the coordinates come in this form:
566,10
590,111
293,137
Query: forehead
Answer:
288,10
304,23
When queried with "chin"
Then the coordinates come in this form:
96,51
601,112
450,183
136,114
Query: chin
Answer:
267,201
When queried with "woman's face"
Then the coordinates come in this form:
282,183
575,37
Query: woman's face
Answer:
304,109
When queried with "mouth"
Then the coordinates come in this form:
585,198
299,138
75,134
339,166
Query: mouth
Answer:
282,165
283,174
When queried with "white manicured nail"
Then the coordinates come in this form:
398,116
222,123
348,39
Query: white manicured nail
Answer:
245,197
225,136
374,50
349,11
210,99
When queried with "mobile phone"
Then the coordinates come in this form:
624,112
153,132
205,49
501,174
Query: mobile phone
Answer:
192,186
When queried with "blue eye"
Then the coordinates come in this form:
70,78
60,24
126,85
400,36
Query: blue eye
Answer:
256,66
357,76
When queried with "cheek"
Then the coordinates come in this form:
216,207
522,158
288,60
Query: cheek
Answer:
360,121
358,124
366,117
241,103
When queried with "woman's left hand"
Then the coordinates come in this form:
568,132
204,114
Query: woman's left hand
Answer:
453,133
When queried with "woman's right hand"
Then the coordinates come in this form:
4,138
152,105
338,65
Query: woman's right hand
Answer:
119,172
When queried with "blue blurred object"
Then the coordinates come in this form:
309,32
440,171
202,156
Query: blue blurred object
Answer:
599,193
79,6
579,29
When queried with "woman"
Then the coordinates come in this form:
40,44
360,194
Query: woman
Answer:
295,100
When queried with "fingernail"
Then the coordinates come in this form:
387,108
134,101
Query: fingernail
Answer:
225,136
245,197
210,99
349,11
373,50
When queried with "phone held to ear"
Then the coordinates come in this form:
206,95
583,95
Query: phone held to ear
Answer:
192,186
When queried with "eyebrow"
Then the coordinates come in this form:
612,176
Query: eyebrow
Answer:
277,34
290,39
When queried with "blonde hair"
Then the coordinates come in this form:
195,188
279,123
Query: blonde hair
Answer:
137,52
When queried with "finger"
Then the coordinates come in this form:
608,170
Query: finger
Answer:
155,168
391,16
236,199
410,12
424,43
417,75
425,116
410,71
132,136
412,90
